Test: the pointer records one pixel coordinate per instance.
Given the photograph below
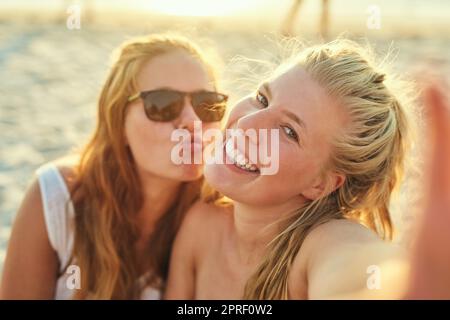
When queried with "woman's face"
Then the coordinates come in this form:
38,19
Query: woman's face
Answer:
307,119
150,141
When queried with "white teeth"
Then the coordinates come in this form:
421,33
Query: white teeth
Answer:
243,163
241,159
238,158
229,148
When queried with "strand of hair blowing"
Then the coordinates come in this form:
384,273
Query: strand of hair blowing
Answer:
370,153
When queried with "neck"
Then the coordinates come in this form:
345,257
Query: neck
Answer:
159,194
256,226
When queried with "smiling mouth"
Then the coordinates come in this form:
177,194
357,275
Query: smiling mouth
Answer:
238,159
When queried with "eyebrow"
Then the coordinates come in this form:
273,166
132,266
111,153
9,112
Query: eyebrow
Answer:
296,119
266,88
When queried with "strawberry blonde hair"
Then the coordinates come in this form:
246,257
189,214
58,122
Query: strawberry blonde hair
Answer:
107,191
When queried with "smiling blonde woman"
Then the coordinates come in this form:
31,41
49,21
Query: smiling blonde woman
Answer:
313,229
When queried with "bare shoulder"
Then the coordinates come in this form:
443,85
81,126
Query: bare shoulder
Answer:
206,219
336,256
348,235
66,167
343,237
343,231
197,235
202,227
195,239
30,266
32,199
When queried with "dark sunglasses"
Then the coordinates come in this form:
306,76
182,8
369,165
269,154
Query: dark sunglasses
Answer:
166,104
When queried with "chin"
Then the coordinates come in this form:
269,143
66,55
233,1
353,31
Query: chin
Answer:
190,172
219,179
241,187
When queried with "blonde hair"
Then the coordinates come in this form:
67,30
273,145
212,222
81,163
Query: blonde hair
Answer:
370,152
107,193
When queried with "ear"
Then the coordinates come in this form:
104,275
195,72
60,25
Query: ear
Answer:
324,185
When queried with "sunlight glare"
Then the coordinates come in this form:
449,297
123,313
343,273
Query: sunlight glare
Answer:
201,8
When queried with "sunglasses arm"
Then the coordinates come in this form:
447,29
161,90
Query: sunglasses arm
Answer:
134,97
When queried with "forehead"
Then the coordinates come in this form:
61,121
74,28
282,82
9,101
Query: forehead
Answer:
297,92
295,89
176,70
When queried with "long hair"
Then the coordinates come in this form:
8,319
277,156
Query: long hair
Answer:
370,152
107,191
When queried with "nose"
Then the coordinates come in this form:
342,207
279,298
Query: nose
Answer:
187,117
261,119
255,128
259,137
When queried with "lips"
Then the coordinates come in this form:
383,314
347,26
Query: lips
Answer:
195,147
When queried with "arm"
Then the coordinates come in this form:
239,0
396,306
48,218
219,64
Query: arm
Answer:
347,261
31,265
430,263
426,273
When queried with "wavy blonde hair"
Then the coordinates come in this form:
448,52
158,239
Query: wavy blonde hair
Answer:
107,192
371,153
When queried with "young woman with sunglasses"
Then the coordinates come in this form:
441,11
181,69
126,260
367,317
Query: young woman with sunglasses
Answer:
114,213
314,229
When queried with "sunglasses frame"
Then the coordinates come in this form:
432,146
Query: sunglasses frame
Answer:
143,95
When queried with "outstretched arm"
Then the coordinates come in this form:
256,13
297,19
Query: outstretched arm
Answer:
344,260
430,264
338,266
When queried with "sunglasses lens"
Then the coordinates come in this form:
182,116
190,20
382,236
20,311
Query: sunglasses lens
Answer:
163,105
209,106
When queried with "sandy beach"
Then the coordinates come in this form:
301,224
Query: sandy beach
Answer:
50,77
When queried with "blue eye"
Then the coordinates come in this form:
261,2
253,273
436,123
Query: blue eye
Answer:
290,133
262,99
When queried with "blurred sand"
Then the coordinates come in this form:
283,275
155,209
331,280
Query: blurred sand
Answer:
50,77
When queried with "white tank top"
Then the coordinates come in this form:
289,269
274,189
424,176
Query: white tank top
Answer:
59,218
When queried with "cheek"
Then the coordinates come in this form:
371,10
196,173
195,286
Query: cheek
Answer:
140,132
296,172
280,188
210,130
148,140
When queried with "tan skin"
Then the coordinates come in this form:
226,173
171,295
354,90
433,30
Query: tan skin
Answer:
430,259
31,266
217,249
